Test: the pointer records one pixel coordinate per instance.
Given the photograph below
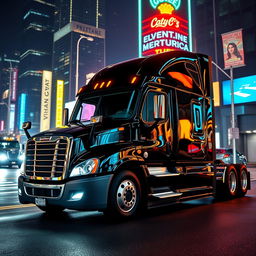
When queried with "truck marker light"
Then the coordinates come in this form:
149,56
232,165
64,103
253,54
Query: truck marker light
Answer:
184,79
102,84
96,85
108,84
134,80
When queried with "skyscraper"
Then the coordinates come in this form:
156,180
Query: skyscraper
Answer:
79,34
8,81
36,54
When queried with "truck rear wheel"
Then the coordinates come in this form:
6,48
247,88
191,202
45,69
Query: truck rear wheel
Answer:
231,182
228,189
125,196
243,181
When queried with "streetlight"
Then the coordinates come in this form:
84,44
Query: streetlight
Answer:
77,57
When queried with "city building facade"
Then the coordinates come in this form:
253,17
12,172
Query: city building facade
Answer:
9,69
79,44
35,56
212,19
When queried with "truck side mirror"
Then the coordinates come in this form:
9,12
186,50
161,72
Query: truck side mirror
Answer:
26,126
65,116
159,107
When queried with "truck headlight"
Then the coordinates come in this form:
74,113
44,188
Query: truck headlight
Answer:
3,157
87,167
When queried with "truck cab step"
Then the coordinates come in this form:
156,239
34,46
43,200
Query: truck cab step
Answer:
164,195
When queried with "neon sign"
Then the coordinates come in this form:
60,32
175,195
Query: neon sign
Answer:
174,3
164,25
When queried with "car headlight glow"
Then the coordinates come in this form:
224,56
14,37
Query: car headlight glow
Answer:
21,157
3,157
87,167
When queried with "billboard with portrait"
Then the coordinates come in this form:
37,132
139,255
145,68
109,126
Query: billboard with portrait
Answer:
164,25
233,50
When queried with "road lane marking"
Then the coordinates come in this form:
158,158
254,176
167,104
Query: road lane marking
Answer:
9,207
10,192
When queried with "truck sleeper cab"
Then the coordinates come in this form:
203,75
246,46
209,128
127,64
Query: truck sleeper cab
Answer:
141,135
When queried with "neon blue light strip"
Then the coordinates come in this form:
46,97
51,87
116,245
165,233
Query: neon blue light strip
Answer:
23,99
140,27
190,26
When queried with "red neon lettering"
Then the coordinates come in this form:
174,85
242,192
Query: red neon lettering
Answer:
163,23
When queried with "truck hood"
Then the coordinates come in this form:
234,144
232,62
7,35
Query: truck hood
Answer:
102,134
73,131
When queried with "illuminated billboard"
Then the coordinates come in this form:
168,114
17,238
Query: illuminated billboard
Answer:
244,90
46,100
12,116
164,25
59,102
1,125
216,93
23,102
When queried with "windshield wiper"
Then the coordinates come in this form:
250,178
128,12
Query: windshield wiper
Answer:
78,122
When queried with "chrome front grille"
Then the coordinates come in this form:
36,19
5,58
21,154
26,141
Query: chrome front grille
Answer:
46,158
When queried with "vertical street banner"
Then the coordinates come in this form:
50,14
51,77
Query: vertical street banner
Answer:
14,84
164,25
46,100
59,103
233,50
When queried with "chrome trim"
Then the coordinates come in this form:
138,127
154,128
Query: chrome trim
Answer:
47,141
44,186
167,194
161,172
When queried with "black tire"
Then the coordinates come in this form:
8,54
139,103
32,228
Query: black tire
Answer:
50,209
242,181
231,182
125,196
228,189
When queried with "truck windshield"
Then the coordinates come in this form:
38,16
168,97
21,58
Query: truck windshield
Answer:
114,106
9,144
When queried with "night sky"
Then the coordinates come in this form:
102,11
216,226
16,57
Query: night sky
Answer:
10,22
121,28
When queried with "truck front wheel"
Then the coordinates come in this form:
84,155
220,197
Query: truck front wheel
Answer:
125,195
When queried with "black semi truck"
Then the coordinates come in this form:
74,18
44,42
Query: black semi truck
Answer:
141,135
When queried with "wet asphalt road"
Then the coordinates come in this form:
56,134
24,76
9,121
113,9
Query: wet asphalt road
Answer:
200,227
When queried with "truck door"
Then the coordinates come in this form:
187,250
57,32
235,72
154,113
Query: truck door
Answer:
156,135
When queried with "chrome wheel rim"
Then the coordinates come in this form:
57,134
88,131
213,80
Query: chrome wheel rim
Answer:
232,182
126,195
243,180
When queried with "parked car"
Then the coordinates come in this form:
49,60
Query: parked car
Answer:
226,155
